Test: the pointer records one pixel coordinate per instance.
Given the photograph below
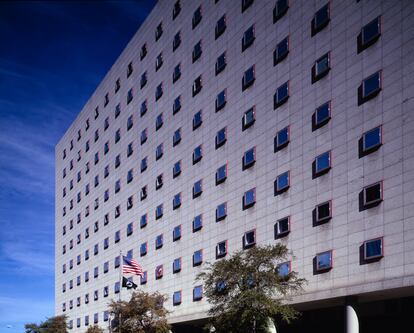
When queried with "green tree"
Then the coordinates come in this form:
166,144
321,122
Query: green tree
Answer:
94,329
55,324
143,313
245,290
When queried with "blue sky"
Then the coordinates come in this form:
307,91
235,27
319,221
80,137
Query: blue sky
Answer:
52,57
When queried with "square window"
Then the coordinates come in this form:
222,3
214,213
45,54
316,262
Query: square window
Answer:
130,69
281,95
221,100
198,223
159,181
373,249
143,249
158,62
249,198
144,193
246,4
323,213
197,16
280,9
221,63
369,34
197,120
197,293
248,38
197,51
249,239
197,188
281,139
143,221
177,201
130,95
177,169
321,67
176,233
220,26
159,212
177,297
282,227
321,116
324,261
177,40
322,164
282,183
177,105
249,118
369,88
144,164
159,151
159,122
221,137
144,80
158,32
158,92
143,52
221,249
283,269
248,78
177,137
144,108
198,258
176,265
158,242
197,154
144,136
144,278
221,174
197,85
176,9
281,51
320,19
372,195
177,73
221,212
159,272
370,141
249,158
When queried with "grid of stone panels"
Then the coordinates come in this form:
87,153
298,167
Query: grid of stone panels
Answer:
348,227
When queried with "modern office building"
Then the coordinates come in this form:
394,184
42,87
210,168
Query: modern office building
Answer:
226,124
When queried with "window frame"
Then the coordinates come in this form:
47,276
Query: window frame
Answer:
219,68
372,203
197,17
363,150
246,40
245,122
198,226
221,100
222,179
321,171
197,85
277,102
362,96
321,220
197,51
279,146
251,244
221,217
281,189
246,164
200,261
176,236
279,233
177,201
376,257
177,269
177,172
246,84
363,44
200,122
246,204
316,27
199,184
218,143
177,298
278,58
316,75
221,254
197,298
220,28
318,124
279,13
319,269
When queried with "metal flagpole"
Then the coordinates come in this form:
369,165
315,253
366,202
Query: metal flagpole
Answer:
120,287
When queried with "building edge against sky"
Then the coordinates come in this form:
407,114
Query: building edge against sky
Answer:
225,124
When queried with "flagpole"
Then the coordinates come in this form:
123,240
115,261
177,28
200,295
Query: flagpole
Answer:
120,286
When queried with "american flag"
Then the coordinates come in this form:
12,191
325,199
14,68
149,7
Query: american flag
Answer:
130,265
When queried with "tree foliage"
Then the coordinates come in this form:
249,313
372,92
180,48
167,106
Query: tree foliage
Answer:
143,313
55,324
94,329
246,289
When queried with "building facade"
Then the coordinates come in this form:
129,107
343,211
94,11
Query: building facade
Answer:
228,123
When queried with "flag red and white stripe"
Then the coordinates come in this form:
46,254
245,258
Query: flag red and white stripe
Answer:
130,265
